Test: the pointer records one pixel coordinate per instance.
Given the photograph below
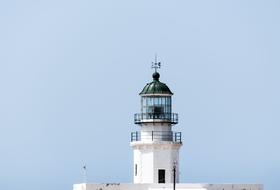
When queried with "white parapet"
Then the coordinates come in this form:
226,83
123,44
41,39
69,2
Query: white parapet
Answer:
166,186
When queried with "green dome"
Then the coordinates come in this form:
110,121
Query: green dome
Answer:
156,87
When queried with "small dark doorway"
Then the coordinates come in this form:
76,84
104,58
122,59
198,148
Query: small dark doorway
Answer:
161,176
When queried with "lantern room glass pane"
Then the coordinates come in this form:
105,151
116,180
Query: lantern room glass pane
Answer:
163,100
156,106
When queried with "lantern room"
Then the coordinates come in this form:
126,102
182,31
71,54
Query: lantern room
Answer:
156,103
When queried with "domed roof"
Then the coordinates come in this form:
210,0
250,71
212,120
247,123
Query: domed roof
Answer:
156,87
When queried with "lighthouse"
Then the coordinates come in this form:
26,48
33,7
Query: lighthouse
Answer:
156,146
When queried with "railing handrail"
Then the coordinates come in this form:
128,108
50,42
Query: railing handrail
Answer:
156,136
156,117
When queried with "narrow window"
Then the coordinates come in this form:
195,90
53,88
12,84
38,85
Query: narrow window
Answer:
135,169
161,176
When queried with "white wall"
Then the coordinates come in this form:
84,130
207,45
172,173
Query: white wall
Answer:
168,186
151,156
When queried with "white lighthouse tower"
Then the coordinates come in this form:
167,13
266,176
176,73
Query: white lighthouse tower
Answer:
156,146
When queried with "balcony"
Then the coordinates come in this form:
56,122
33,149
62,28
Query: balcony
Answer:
156,118
156,136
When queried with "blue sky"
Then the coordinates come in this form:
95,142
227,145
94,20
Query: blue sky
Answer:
71,71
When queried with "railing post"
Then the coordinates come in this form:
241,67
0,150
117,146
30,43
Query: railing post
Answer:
180,137
152,135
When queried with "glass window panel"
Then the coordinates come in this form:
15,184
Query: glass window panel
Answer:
156,101
168,109
168,100
148,101
163,100
144,101
156,104
150,109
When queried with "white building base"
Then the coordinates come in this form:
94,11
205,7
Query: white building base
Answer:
166,186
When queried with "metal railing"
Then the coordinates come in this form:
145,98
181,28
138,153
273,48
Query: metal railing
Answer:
155,117
156,136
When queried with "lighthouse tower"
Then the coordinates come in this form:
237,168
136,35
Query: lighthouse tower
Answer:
156,146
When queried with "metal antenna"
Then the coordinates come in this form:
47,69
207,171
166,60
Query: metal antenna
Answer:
156,65
85,173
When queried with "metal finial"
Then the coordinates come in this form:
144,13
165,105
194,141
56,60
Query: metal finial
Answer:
156,65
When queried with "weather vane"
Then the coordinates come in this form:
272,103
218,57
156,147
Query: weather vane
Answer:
156,65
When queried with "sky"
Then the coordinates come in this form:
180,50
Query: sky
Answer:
71,71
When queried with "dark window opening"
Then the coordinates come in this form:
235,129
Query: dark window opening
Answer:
135,169
161,176
158,111
155,112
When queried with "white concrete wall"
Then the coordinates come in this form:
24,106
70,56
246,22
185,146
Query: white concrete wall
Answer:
159,129
156,127
167,186
152,156
143,158
164,158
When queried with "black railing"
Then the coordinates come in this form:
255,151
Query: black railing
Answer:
156,117
156,136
